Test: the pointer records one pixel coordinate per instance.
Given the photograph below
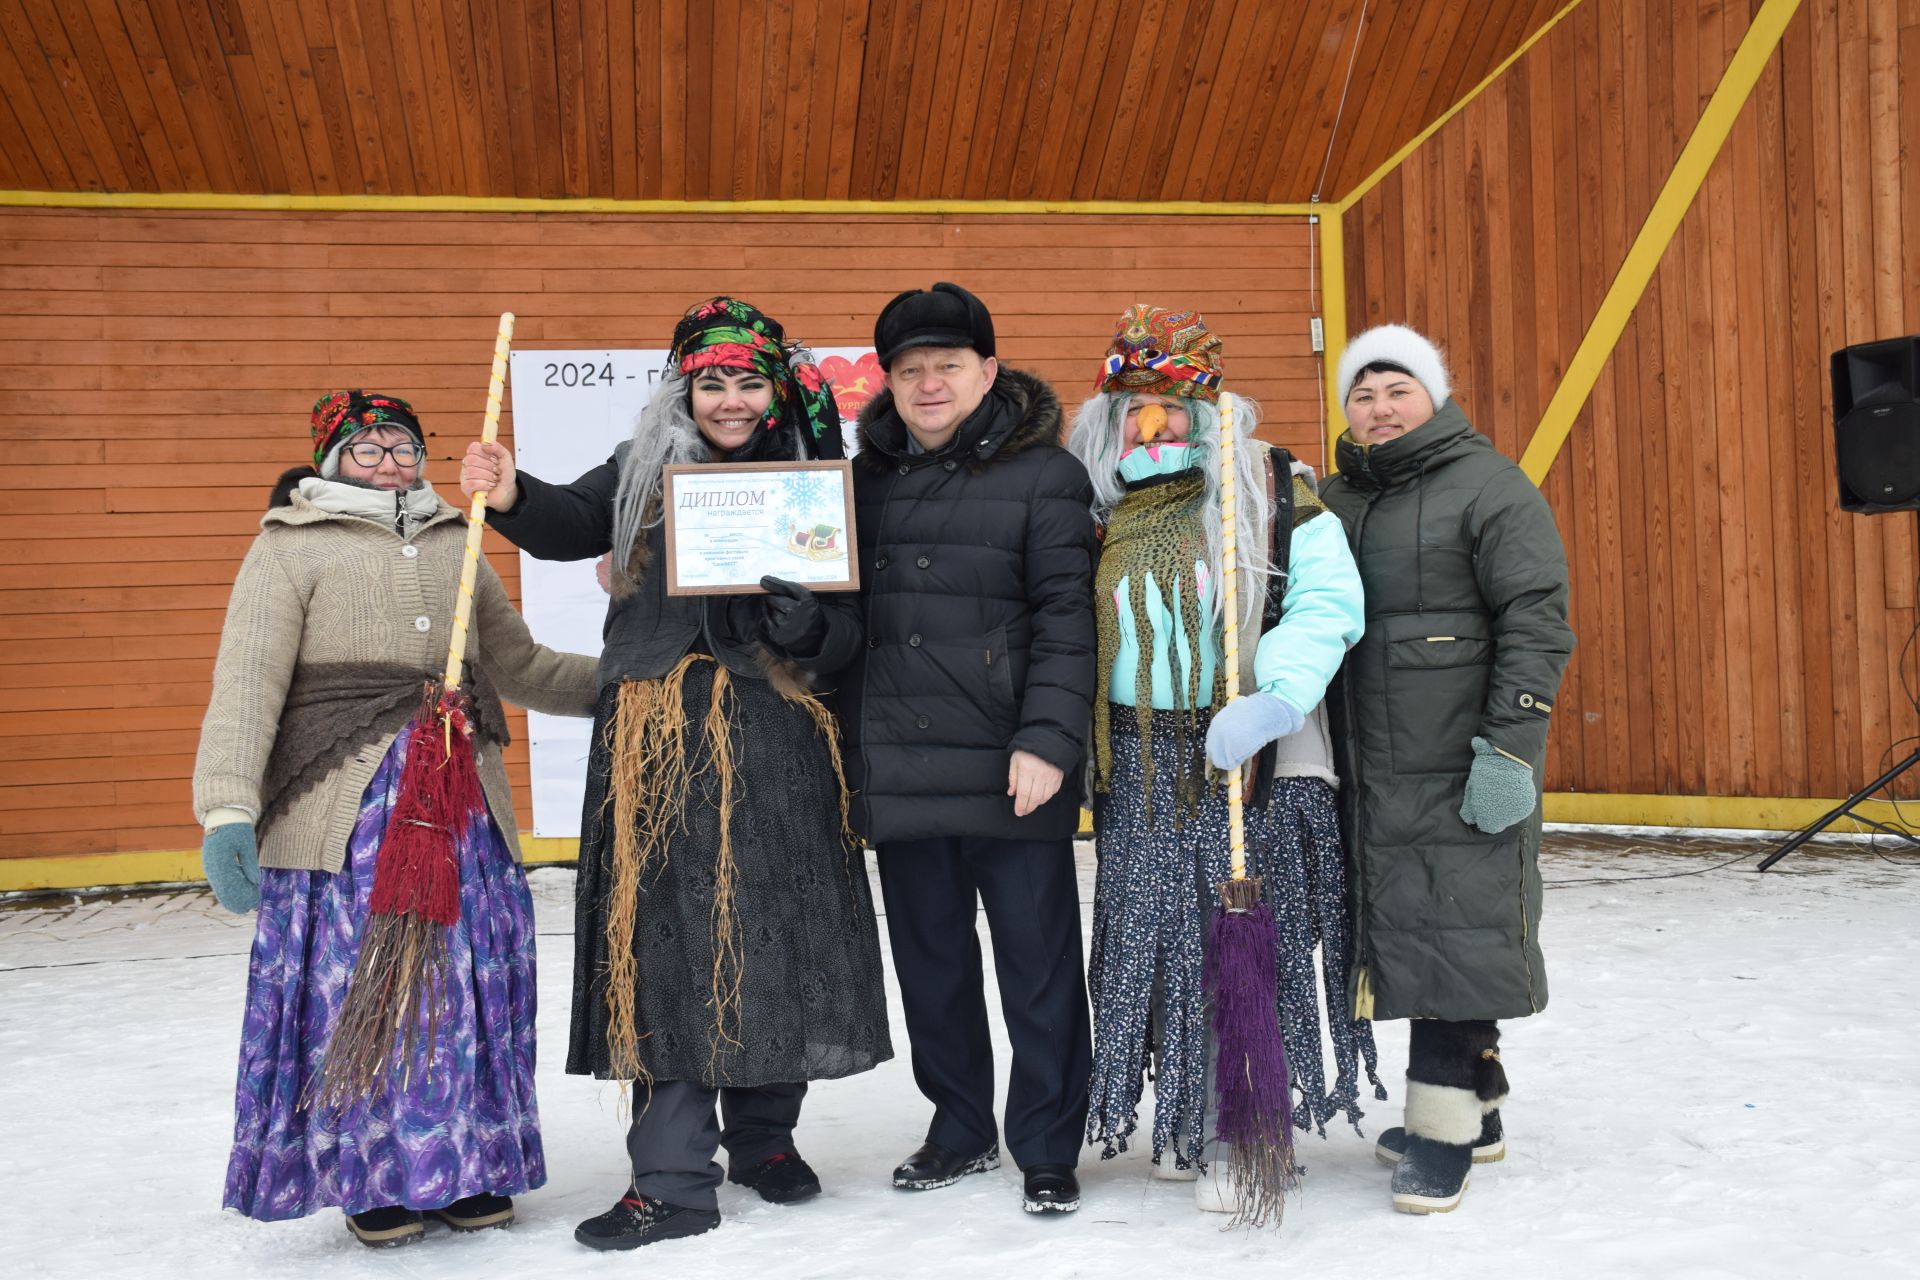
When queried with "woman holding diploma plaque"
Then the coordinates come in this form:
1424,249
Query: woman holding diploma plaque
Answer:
725,946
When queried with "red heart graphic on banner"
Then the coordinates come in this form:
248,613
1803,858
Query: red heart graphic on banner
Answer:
855,382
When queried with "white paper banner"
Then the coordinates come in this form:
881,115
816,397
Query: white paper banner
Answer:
570,410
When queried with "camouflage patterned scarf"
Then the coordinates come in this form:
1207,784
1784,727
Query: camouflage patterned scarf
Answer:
1158,528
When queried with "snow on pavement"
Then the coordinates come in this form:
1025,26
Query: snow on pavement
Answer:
1722,1087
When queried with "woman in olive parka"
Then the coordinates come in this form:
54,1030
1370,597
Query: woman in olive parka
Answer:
1442,716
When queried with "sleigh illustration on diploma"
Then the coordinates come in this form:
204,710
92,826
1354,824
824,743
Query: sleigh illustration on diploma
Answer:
818,542
728,526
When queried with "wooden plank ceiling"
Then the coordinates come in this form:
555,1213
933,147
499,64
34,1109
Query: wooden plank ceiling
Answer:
1133,100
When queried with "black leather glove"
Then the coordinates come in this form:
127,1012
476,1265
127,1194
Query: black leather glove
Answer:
793,619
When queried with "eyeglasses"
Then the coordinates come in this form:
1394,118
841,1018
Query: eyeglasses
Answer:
368,454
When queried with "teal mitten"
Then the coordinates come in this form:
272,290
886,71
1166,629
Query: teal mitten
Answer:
1499,789
232,863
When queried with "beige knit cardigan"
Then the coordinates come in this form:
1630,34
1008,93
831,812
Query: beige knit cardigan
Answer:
318,587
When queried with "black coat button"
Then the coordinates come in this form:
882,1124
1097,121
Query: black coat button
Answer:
923,562
904,468
952,466
922,723
914,639
873,642
881,563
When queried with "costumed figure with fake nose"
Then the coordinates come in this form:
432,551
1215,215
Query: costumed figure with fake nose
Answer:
1150,439
725,948
1441,719
339,616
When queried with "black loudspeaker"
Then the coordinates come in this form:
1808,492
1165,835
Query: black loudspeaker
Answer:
1876,425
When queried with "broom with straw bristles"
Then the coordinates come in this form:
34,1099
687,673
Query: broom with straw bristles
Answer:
399,980
1255,1122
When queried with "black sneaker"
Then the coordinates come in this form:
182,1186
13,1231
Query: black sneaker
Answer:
782,1178
476,1213
638,1220
1050,1188
387,1227
1489,1148
1431,1176
935,1166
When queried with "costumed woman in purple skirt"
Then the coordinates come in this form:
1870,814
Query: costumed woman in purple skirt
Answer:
342,610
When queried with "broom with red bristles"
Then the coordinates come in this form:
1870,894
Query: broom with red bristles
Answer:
399,980
1255,1121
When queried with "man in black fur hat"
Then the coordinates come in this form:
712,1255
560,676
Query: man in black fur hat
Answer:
967,723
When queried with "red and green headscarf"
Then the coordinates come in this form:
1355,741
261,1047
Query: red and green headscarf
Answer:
727,333
338,415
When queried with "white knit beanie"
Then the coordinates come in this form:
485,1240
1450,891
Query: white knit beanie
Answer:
1395,344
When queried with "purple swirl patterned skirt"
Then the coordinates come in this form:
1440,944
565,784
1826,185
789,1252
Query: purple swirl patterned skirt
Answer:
467,1125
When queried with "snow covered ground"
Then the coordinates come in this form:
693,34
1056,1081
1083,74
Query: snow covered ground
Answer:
1723,1086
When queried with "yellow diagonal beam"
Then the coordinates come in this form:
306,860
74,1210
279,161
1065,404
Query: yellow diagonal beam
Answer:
1689,172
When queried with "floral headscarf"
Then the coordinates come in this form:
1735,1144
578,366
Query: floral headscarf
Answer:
728,333
1162,352
340,414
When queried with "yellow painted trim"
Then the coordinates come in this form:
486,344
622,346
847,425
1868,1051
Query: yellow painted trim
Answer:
1733,813
1373,179
543,851
92,870
1333,317
213,200
1663,220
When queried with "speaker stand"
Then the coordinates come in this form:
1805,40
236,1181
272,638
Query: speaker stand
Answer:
1846,807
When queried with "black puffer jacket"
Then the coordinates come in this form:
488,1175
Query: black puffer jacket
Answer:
1466,635
977,581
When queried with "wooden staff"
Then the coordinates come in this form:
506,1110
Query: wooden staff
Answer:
477,513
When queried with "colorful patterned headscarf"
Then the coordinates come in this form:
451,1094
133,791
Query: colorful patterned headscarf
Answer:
727,333
339,414
1165,353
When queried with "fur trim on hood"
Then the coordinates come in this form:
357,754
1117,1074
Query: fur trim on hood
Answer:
287,485
983,438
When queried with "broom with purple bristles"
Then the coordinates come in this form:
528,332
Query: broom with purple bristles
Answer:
1255,1121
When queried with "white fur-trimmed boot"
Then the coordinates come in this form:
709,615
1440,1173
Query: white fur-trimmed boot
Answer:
1489,1148
1455,1086
1434,1167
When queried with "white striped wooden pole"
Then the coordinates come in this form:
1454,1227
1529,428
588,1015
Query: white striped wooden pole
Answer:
477,514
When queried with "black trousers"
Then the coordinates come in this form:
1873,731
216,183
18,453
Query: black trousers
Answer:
675,1134
1032,902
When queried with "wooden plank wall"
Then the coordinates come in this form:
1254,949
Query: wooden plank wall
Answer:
159,367
731,100
1739,634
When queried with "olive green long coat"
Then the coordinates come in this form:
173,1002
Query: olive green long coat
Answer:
1467,635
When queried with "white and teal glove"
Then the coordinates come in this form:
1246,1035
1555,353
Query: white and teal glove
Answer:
1499,789
232,863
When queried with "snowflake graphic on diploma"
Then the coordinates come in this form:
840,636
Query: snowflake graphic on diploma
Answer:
814,509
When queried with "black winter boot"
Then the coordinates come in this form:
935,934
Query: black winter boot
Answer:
935,1166
1050,1188
782,1178
387,1227
638,1220
1432,1176
476,1213
1489,1148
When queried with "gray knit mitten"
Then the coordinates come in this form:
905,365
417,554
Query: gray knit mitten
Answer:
232,863
1499,789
